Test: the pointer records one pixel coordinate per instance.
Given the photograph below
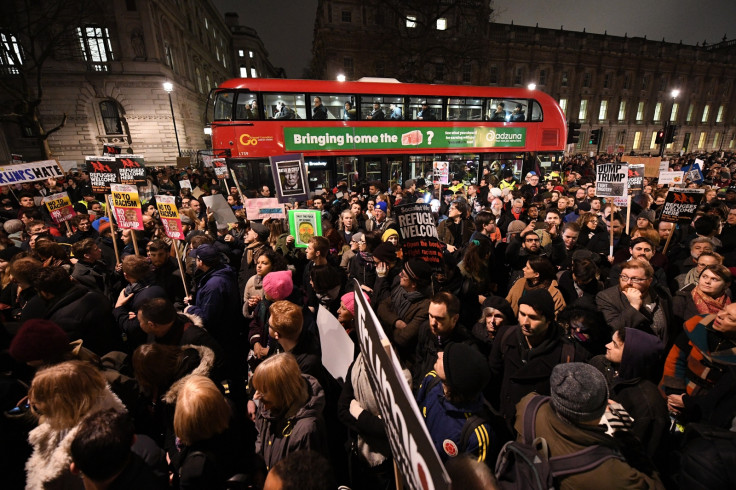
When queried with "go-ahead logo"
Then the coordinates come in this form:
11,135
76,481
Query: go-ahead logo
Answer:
246,139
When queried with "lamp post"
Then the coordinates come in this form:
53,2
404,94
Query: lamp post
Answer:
675,92
168,86
531,86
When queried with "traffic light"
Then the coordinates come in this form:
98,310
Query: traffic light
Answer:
671,133
595,136
573,132
660,137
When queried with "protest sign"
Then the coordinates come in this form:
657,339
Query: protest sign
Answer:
289,177
636,178
185,184
170,217
664,167
131,169
419,234
680,205
693,172
220,168
304,224
207,160
651,164
102,172
334,339
611,180
264,208
127,206
111,150
412,447
668,178
218,205
30,172
441,172
60,207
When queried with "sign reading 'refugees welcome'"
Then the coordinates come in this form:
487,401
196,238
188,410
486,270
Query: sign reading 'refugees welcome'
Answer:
419,234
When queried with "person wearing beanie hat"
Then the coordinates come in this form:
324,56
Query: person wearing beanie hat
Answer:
515,227
385,252
579,392
380,220
646,219
278,285
496,313
261,231
346,312
450,396
391,236
39,342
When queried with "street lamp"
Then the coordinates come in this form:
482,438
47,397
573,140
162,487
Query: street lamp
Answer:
667,130
168,86
532,86
341,78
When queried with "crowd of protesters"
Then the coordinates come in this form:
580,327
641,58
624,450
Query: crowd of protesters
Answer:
120,372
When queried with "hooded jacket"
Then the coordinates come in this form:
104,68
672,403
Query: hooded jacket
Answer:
305,430
217,303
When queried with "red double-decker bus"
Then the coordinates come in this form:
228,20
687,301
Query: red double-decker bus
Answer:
381,130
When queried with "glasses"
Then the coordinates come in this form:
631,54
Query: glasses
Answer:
633,280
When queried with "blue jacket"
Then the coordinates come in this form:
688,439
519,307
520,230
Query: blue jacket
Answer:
445,421
217,303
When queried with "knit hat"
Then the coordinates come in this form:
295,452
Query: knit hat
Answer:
579,391
418,271
648,214
584,206
385,252
103,224
261,230
388,233
348,301
516,226
382,206
12,226
278,285
356,237
499,303
408,183
466,370
39,340
541,301
207,253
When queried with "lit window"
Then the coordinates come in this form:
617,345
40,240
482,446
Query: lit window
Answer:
706,113
603,112
658,111
701,140
622,111
241,53
653,142
719,116
169,56
11,55
563,105
640,112
583,113
411,21
253,73
716,139
637,140
441,24
243,72
96,47
690,111
673,114
110,117
250,54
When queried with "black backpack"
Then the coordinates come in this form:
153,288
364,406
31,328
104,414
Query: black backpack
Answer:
527,465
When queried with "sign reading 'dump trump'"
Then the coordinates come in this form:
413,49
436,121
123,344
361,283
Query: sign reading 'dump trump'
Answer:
29,172
411,444
611,180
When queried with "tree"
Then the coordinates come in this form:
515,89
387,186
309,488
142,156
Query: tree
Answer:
35,34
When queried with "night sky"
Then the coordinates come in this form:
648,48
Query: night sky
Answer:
286,26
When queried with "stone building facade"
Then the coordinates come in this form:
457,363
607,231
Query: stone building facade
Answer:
620,84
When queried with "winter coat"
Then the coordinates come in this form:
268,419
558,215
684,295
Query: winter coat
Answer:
404,339
168,276
305,430
428,346
518,290
446,232
92,276
564,438
217,303
362,268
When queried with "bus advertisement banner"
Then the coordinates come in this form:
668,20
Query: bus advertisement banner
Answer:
102,172
131,168
289,177
60,207
170,217
127,206
611,180
419,234
680,205
441,172
304,224
399,138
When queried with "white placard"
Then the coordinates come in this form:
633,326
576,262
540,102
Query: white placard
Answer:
336,344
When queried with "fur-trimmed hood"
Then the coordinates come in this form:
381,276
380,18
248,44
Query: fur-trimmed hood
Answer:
206,363
52,449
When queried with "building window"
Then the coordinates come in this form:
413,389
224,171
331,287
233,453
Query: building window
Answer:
701,140
250,54
662,83
732,141
644,82
518,76
467,72
563,106
627,81
441,24
347,16
637,140
622,111
168,56
653,142
673,113
583,112
658,111
207,82
640,112
542,77
716,139
690,111
411,21
111,117
603,112
198,75
253,72
563,82
243,71
241,53
719,116
96,47
586,79
493,76
706,113
11,55
206,24
607,80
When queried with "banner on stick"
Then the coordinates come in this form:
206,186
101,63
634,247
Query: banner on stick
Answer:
170,217
127,206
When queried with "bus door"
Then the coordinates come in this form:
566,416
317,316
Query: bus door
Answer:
395,170
373,166
318,172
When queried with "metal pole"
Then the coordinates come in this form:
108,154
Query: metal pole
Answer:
173,118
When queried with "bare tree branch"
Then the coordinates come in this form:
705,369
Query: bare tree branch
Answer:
52,131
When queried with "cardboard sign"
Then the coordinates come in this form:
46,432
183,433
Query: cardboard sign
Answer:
127,206
290,177
611,180
441,172
418,233
335,340
102,172
30,172
651,164
170,217
411,444
185,184
636,178
664,167
131,169
680,205
264,208
223,212
304,224
220,167
668,178
60,207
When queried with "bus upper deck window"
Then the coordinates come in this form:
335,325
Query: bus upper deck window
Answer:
224,106
247,107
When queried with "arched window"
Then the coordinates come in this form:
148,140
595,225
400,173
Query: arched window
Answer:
111,117
198,75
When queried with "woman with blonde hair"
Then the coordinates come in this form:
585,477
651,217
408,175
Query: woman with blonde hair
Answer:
61,396
289,417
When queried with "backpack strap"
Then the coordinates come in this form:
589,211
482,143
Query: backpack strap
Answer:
530,418
581,461
568,352
472,423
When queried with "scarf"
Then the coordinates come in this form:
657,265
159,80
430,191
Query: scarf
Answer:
707,305
691,277
367,399
402,300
